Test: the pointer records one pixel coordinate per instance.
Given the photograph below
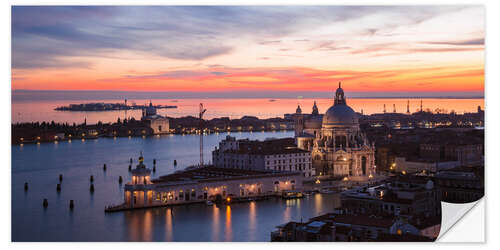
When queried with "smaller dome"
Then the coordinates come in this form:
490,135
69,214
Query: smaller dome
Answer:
298,110
150,110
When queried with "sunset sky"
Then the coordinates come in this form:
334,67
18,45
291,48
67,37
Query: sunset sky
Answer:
407,50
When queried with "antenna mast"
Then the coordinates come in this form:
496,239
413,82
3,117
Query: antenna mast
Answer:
202,111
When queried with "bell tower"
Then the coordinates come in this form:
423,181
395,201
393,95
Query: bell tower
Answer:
315,109
299,121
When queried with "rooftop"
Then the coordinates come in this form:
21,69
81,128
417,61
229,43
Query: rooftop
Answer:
267,147
365,220
213,174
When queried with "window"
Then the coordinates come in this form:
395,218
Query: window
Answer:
363,165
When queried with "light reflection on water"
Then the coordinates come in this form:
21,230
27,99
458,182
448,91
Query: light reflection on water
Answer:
228,229
252,221
215,223
40,166
318,202
169,226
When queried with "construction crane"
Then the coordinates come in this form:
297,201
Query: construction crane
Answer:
202,111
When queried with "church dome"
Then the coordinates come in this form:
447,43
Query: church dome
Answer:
150,110
340,114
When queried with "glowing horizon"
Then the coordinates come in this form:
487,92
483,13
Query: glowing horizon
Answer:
268,49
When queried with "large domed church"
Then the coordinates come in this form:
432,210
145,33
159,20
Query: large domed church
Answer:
337,146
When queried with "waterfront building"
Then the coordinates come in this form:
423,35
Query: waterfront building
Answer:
159,124
337,146
139,190
270,154
408,196
209,183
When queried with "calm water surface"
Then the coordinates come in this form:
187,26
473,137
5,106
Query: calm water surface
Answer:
40,166
27,111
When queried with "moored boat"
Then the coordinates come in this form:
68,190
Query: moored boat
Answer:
291,195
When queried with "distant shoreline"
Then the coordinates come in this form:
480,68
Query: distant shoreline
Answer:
82,95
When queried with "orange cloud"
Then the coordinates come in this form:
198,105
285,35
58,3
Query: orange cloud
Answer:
274,79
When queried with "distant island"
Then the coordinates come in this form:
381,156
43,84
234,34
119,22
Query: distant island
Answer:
107,107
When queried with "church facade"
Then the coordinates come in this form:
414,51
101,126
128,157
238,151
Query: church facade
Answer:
337,146
158,123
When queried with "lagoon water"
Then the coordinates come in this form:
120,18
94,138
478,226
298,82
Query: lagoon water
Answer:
40,166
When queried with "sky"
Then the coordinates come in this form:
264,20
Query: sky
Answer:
250,51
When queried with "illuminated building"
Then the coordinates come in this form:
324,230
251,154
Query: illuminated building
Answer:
337,146
196,185
158,123
271,154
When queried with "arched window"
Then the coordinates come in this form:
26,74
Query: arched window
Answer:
363,165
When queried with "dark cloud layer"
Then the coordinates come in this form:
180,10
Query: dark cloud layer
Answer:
45,36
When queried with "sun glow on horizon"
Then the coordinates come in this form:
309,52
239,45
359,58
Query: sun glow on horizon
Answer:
197,49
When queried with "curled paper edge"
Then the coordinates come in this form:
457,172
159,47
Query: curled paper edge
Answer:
453,215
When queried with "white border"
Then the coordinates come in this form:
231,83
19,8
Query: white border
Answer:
492,90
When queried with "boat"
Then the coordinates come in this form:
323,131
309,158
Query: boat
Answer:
291,195
209,203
